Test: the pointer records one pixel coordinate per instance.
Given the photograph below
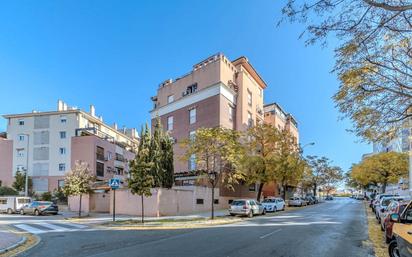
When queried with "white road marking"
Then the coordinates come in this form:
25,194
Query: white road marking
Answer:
271,233
53,227
75,225
30,229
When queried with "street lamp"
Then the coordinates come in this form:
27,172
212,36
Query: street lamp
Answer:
308,144
26,182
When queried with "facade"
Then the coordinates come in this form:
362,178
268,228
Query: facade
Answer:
216,92
6,161
47,144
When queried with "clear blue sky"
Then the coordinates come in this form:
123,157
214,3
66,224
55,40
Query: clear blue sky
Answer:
114,54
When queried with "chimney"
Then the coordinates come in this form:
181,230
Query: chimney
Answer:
92,110
115,126
59,105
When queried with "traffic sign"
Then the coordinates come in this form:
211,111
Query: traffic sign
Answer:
114,183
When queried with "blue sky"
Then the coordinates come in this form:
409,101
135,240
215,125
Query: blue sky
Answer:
114,54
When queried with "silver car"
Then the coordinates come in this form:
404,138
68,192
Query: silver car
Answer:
246,207
297,201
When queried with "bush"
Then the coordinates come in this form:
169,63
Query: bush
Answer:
8,191
46,196
58,194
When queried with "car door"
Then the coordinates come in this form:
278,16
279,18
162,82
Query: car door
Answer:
254,206
31,207
404,233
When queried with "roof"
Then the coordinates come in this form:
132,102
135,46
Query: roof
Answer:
245,63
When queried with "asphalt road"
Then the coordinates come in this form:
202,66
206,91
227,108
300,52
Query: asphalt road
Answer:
336,228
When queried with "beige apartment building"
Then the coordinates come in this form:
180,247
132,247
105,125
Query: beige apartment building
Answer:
47,144
216,92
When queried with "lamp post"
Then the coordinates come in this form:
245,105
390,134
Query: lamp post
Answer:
26,182
308,144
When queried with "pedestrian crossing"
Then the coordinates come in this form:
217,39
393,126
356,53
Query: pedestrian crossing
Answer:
48,227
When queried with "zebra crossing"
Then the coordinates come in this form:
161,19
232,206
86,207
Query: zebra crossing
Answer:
48,227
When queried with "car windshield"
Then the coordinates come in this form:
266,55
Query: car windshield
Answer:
238,203
269,201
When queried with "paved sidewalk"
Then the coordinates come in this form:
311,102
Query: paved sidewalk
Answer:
8,239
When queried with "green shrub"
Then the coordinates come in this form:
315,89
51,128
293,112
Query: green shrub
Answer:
8,191
46,196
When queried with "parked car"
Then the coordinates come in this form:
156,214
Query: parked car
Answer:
297,201
360,197
273,204
401,241
310,200
394,207
13,204
383,204
39,208
329,198
378,198
248,207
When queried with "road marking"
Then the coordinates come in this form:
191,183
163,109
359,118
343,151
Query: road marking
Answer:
271,233
75,225
53,227
29,229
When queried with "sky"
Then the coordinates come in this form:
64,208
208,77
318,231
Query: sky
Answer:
114,54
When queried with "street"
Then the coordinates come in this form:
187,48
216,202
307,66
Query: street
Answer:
334,228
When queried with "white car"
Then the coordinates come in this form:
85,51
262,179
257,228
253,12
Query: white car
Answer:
297,201
246,207
274,204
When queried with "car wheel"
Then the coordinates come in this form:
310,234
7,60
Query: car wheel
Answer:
250,214
9,211
36,212
22,212
393,249
264,211
232,214
301,204
275,209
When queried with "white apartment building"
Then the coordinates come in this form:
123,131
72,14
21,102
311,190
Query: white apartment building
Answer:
46,144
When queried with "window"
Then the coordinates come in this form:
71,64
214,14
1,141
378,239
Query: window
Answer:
192,162
170,123
260,92
170,98
249,119
21,122
199,201
99,169
192,116
3,200
20,152
252,188
62,134
249,98
230,113
60,183
62,167
190,89
63,119
109,156
192,134
21,137
99,153
62,150
216,201
20,168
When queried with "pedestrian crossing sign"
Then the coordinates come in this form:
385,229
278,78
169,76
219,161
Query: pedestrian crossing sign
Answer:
114,183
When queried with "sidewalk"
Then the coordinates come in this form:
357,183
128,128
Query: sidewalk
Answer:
9,240
96,218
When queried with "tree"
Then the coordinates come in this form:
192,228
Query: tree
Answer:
7,191
161,153
319,167
382,168
372,59
78,181
333,176
216,152
258,162
141,177
20,182
289,165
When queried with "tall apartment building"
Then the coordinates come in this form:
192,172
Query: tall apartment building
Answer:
216,92
47,144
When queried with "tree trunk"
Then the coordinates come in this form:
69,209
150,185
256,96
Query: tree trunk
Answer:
259,194
315,187
284,191
80,206
384,187
142,209
213,203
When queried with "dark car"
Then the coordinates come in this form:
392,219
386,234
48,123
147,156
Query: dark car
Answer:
310,200
329,198
39,208
401,243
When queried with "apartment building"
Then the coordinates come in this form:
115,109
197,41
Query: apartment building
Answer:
47,144
216,92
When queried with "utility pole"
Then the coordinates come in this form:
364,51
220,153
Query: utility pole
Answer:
26,182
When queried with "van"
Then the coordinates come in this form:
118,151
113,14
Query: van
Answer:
13,204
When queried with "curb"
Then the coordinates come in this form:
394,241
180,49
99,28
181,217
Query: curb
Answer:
22,241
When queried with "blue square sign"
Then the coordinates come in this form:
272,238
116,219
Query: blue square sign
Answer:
114,183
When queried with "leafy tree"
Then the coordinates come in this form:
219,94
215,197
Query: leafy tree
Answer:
78,181
46,196
167,160
20,182
382,168
319,167
372,59
217,154
258,162
7,191
333,176
141,177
